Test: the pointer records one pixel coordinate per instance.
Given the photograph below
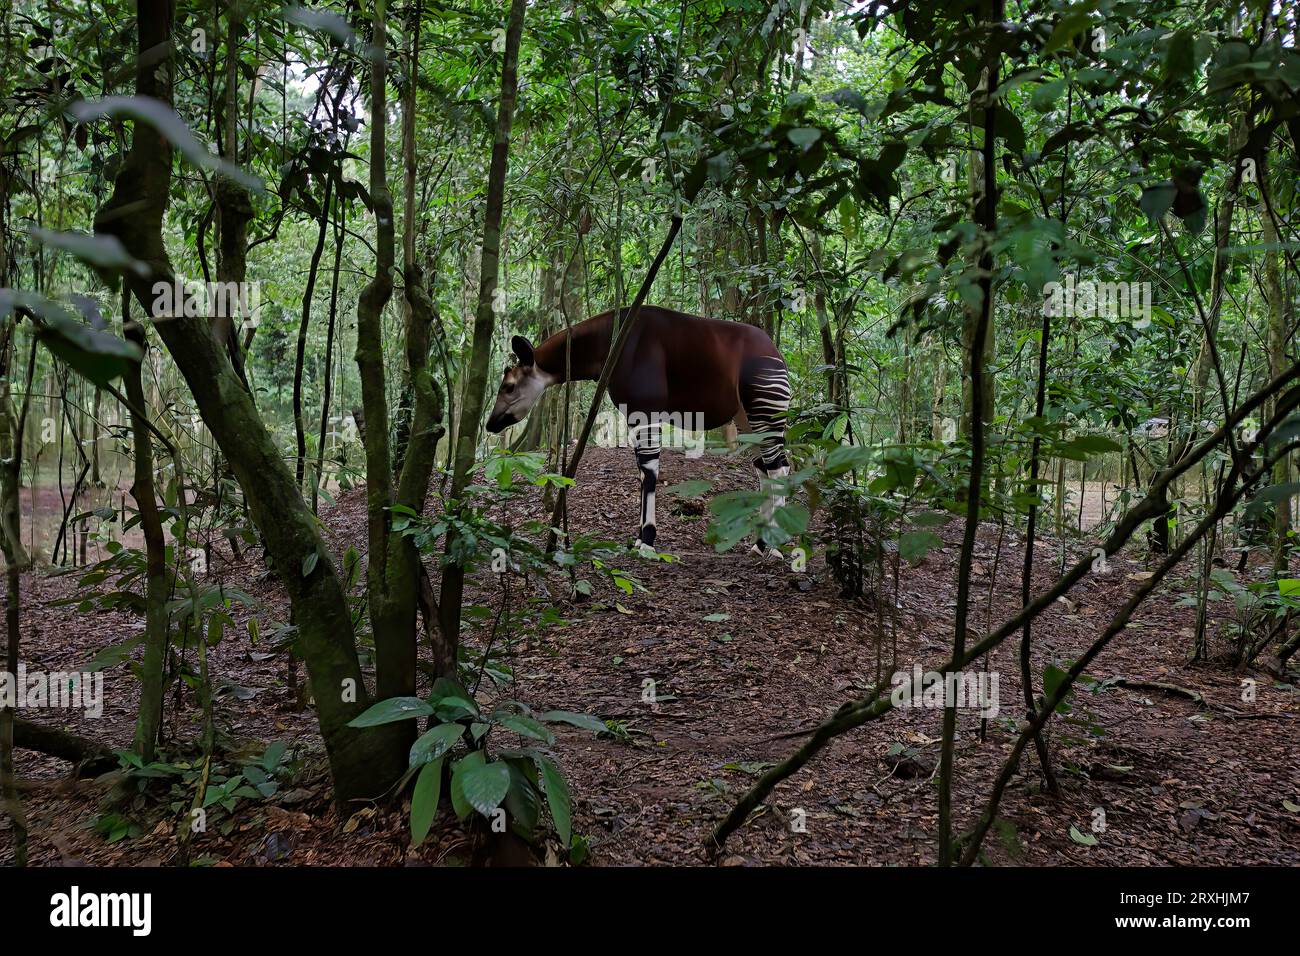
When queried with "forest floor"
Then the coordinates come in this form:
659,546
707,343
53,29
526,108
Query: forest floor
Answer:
1148,776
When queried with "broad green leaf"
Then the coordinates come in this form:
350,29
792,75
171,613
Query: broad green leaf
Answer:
557,798
104,252
584,721
171,127
1066,29
1157,199
391,710
523,799
915,545
792,519
435,742
453,707
424,800
1046,95
1086,839
92,353
688,489
115,654
459,802
847,457
804,136
528,727
484,785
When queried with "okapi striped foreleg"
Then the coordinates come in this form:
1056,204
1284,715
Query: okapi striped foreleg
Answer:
765,395
646,443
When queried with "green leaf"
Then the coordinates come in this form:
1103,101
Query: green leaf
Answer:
1096,443
1157,199
584,721
914,545
390,710
484,785
1086,839
452,707
451,701
688,489
115,654
846,457
523,799
1079,449
309,563
557,798
1053,678
1046,95
459,802
435,742
171,127
804,136
1066,29
528,727
931,519
792,519
92,353
715,618
104,252
424,800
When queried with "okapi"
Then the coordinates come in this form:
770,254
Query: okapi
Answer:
674,366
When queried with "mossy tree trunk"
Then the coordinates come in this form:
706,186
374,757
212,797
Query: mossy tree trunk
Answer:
393,569
364,763
471,409
157,583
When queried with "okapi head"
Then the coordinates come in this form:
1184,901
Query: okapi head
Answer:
521,386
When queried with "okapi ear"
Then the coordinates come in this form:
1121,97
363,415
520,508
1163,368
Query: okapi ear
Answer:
523,351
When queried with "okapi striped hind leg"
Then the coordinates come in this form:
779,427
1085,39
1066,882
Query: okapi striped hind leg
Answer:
646,443
765,394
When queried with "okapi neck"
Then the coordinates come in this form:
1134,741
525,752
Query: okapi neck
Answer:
588,344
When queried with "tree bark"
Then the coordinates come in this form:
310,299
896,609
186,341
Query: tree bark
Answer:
471,410
980,410
363,763
1279,322
157,585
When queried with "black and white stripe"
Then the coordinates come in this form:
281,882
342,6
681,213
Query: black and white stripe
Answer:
765,395
646,443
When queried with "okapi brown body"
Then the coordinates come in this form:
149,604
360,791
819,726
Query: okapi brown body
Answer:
675,367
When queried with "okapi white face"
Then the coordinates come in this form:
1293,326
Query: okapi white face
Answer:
521,386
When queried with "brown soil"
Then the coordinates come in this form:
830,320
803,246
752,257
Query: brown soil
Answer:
1179,783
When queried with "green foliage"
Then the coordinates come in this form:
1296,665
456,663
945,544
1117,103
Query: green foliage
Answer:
500,783
189,785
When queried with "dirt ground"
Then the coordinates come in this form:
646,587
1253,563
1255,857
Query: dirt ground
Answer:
1148,776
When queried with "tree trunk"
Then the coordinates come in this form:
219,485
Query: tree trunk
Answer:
363,763
157,586
978,338
1279,321
300,351
393,570
471,409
